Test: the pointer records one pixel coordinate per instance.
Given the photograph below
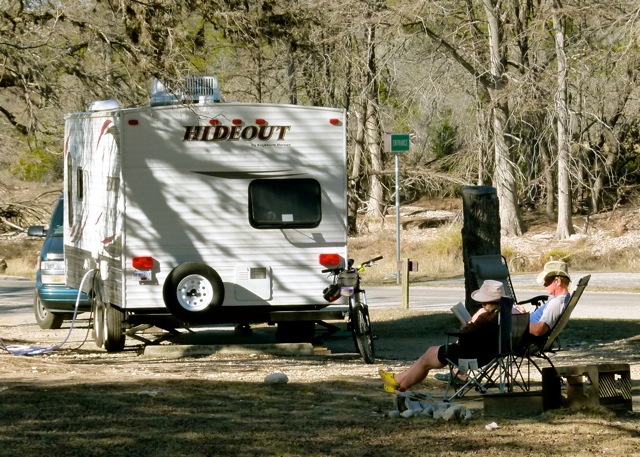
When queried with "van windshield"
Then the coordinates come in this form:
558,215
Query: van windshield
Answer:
56,227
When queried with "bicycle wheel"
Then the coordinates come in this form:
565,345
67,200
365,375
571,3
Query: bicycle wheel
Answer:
361,329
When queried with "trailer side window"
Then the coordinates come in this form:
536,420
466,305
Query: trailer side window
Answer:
284,203
79,184
68,197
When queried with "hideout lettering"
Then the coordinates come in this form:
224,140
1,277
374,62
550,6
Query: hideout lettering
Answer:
235,132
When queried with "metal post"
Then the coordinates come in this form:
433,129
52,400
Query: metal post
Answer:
396,144
397,217
405,283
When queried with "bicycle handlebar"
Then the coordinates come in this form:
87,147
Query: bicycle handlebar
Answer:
370,262
367,263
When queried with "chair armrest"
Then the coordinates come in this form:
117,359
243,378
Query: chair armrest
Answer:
535,301
452,335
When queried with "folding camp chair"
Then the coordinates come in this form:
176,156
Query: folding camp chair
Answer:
494,266
498,371
541,348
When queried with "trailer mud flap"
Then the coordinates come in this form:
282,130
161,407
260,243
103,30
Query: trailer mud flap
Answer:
192,292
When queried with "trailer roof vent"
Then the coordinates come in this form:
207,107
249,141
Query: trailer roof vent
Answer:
193,89
202,88
104,105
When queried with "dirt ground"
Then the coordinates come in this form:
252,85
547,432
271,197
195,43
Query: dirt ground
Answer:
80,400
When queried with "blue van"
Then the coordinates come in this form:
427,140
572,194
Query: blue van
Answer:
53,300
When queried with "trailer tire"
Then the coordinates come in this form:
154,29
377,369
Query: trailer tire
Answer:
193,291
98,322
114,337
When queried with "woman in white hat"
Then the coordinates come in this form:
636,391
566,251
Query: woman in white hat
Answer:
478,340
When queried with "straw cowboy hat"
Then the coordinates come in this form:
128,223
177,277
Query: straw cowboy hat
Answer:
490,291
554,268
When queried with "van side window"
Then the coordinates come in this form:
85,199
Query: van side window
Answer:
56,225
284,203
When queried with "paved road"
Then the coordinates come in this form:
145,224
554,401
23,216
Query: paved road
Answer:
16,299
16,296
608,295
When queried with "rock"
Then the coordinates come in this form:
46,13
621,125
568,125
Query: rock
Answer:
491,426
276,378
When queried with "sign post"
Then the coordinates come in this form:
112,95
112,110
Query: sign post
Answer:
397,143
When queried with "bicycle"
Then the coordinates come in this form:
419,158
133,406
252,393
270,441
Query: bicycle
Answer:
346,283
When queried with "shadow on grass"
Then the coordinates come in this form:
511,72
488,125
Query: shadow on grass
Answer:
213,418
205,417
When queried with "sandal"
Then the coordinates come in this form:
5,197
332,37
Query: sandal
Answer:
392,390
389,379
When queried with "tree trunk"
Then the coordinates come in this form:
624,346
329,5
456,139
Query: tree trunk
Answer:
504,173
482,129
549,187
291,74
356,174
375,208
565,223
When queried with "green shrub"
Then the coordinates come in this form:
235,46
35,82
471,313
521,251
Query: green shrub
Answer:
556,254
36,164
448,242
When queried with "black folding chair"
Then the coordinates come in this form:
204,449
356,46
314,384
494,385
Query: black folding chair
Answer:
497,372
494,266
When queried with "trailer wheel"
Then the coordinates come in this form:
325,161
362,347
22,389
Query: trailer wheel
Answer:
98,322
193,291
114,336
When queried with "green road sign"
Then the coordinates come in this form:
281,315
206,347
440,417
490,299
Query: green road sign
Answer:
397,142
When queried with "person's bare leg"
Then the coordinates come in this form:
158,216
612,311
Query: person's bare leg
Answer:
420,368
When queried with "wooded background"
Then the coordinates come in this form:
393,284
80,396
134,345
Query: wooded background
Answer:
538,98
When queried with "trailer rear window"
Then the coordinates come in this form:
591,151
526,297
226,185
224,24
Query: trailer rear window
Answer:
284,203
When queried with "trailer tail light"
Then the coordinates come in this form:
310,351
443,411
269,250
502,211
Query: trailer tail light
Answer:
329,260
143,268
236,121
214,121
133,122
334,121
260,122
142,263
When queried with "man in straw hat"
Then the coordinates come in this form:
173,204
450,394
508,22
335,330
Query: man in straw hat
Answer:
478,340
555,277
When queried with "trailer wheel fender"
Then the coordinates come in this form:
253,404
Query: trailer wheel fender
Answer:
193,291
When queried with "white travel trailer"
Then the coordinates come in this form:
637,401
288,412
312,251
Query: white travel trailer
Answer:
185,213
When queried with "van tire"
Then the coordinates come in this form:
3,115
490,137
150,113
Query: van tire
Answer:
192,292
46,320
